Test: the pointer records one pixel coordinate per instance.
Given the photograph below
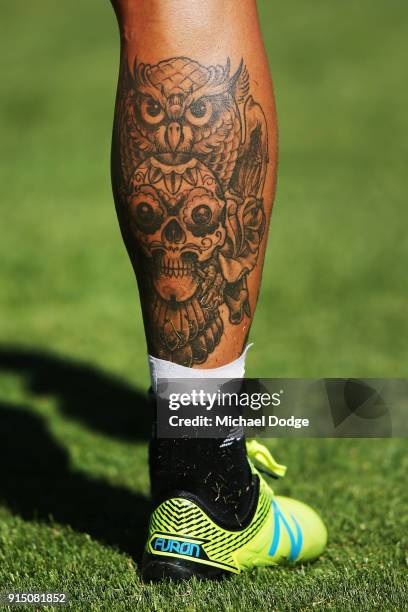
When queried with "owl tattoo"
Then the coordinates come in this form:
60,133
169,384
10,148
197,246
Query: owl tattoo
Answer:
194,155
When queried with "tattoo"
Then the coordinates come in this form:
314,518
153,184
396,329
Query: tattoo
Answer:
194,153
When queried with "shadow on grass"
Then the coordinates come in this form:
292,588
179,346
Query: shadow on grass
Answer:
37,483
100,401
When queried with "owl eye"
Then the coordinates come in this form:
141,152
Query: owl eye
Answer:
151,110
200,111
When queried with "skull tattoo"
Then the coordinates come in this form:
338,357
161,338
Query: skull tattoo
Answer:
194,172
177,215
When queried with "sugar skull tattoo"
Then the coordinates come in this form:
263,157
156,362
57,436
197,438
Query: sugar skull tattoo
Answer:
194,154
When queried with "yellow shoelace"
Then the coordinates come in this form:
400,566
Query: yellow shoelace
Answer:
263,460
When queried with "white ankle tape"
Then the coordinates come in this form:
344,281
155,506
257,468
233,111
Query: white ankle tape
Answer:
160,368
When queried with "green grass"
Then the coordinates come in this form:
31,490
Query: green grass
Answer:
73,480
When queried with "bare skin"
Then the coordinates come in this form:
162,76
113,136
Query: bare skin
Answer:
194,171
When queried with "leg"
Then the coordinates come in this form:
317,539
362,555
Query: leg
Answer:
193,172
194,166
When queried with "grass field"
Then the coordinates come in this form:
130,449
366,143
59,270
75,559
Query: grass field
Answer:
74,424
